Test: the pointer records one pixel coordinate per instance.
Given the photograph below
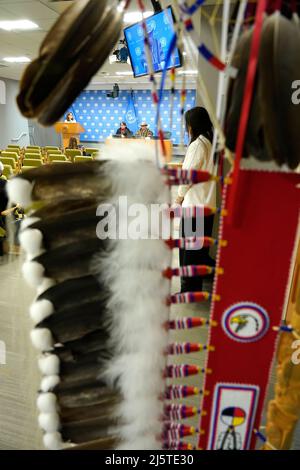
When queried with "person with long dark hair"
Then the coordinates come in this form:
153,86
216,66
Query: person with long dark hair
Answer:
198,157
123,130
73,144
70,117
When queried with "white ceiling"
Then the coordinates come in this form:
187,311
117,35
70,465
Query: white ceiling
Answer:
26,43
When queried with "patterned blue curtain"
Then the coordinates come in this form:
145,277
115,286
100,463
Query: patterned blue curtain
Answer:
101,116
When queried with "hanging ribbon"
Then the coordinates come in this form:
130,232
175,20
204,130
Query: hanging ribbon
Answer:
263,439
194,243
177,432
177,445
176,392
187,348
192,211
184,370
178,412
187,176
188,271
191,297
155,96
189,322
248,93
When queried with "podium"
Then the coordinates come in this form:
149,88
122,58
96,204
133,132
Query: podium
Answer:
68,130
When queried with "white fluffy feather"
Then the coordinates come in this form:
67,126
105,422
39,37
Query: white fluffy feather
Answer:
49,382
19,191
31,241
132,299
53,441
40,310
33,273
46,402
138,304
49,364
42,339
49,422
46,283
143,254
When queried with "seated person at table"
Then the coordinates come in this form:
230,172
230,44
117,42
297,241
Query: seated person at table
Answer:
144,131
123,130
70,118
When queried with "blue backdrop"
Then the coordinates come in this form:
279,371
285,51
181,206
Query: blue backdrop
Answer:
101,116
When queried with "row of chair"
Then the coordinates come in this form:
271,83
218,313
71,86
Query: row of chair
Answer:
34,161
15,163
16,159
46,153
50,149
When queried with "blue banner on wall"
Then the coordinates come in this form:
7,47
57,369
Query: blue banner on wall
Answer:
130,117
101,116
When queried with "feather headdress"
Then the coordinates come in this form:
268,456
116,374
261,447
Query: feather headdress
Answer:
97,323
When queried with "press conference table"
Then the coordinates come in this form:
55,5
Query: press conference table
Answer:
151,142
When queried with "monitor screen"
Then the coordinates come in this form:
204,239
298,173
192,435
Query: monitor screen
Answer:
160,29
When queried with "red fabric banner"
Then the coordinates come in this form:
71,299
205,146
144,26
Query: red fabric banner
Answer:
256,263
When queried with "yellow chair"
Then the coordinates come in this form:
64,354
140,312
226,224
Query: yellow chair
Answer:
83,159
71,153
32,150
8,161
13,149
13,155
33,147
61,161
32,162
14,146
7,171
94,152
36,156
48,147
57,157
25,168
55,152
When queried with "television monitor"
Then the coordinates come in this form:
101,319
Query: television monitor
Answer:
160,27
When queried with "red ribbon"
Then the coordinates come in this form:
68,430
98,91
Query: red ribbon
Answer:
248,93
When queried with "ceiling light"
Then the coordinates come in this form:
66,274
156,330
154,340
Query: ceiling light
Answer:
184,53
188,72
135,16
19,60
21,25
